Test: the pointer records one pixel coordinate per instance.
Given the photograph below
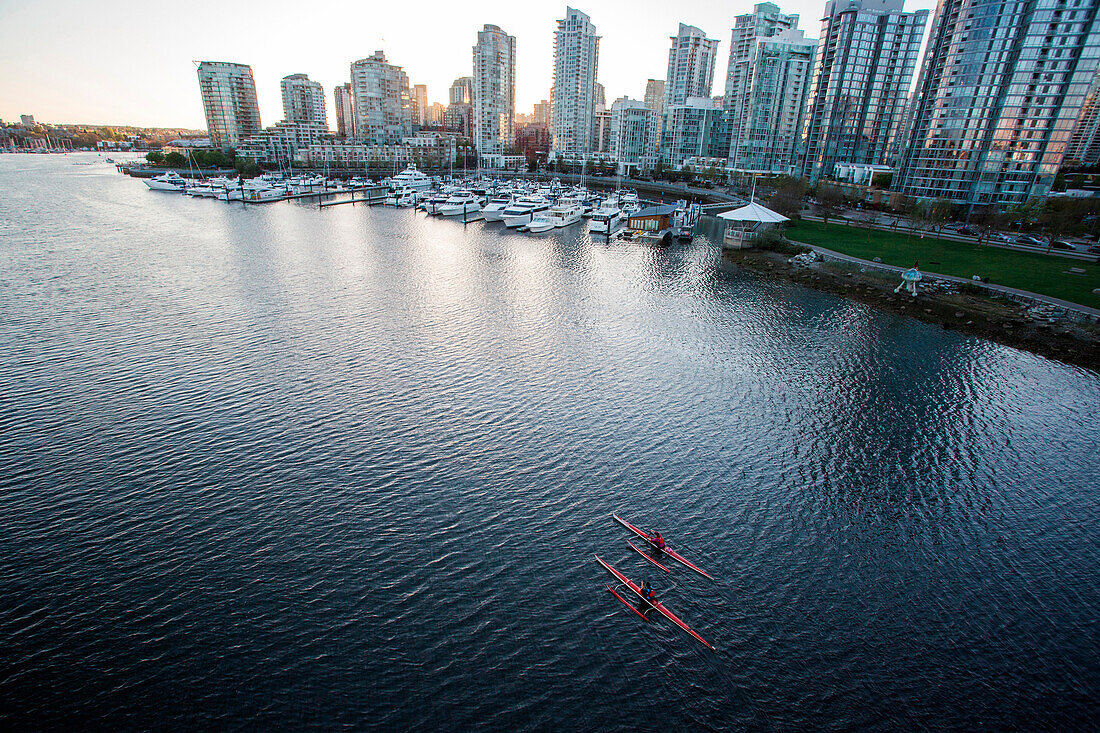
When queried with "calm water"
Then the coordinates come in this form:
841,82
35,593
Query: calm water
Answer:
276,466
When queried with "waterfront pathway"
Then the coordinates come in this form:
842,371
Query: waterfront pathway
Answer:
1014,293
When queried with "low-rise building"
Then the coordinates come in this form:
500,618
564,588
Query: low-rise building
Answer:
427,150
281,143
503,161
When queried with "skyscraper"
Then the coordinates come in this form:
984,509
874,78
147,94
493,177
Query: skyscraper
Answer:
382,104
541,113
690,76
690,65
419,102
693,129
601,97
494,91
634,126
655,100
303,100
460,112
655,94
344,102
573,101
998,98
462,90
1084,144
229,100
866,58
767,83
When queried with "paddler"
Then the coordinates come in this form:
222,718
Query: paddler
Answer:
647,592
659,541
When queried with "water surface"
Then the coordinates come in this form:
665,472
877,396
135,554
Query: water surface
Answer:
279,466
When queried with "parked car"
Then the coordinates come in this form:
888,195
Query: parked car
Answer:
1061,244
1094,248
1008,238
966,230
1030,241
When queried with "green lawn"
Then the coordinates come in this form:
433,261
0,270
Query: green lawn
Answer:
1038,273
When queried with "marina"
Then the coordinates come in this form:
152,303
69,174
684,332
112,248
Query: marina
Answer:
530,206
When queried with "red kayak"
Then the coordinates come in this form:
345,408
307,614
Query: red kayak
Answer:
671,553
657,605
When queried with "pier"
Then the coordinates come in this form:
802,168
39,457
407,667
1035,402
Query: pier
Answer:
371,195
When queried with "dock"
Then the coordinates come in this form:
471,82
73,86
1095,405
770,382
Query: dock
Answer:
371,195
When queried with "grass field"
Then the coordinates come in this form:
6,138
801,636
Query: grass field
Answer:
1038,273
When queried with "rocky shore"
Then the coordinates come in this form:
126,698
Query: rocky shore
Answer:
997,319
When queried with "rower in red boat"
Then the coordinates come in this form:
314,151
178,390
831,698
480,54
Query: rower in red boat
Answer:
658,541
648,593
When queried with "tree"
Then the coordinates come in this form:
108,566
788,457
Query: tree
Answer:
989,218
920,213
882,180
828,200
1026,215
175,159
247,167
939,212
156,157
787,200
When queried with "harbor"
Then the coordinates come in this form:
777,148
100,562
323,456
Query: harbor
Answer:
529,206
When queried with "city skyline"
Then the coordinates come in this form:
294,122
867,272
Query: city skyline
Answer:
159,90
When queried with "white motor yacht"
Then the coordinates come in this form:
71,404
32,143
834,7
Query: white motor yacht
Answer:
524,211
259,192
463,202
607,218
494,210
170,181
396,195
541,223
412,178
565,212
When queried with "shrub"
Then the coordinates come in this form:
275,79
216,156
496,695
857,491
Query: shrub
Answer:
772,240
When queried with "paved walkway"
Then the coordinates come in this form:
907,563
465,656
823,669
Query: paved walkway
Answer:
1093,313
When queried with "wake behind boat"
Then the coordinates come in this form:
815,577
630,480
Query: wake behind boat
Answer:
668,551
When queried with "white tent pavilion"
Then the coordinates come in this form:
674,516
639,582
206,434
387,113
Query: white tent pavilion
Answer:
746,223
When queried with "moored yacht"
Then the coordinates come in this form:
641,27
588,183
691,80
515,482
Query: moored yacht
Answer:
565,212
412,178
494,210
524,211
463,202
607,218
170,181
541,223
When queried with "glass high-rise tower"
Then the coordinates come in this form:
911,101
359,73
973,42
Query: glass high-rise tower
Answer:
998,98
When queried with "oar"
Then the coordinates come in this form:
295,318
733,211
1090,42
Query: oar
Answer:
626,603
647,557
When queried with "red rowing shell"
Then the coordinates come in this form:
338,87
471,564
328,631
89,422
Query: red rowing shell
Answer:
656,604
671,553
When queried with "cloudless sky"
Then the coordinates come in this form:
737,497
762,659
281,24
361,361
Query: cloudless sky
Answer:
131,62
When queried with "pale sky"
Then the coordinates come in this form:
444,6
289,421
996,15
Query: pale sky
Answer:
131,62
